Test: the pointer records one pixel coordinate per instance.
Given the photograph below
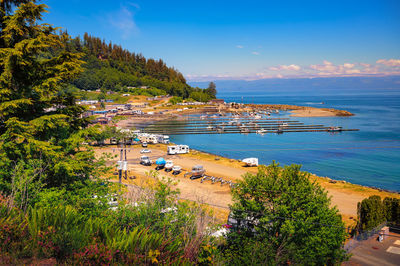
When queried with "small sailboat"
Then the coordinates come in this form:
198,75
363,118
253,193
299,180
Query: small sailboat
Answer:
261,131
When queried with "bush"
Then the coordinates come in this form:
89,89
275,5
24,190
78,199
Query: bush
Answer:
283,219
372,212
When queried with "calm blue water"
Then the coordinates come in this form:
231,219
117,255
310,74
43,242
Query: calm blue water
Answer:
369,157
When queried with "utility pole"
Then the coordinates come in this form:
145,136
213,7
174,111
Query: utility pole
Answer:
122,163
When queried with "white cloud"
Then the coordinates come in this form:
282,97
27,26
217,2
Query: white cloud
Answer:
353,71
123,21
365,65
348,65
255,53
291,67
326,69
239,46
327,63
390,62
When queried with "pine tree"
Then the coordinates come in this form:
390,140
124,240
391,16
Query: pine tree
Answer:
39,120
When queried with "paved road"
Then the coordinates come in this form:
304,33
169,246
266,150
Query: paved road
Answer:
373,252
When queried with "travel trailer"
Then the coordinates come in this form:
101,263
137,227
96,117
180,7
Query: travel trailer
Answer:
178,149
251,161
162,139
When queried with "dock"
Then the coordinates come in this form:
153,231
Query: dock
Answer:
242,126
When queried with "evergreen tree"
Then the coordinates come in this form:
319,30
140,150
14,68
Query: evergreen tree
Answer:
211,90
40,125
371,213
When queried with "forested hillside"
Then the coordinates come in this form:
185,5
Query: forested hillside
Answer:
108,66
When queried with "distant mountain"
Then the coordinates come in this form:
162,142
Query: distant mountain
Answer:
351,84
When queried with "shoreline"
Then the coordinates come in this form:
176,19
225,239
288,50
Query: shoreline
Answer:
344,195
304,111
331,180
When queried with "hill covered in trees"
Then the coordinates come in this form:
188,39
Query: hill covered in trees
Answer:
110,67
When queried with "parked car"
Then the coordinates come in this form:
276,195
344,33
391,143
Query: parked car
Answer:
145,160
145,151
144,144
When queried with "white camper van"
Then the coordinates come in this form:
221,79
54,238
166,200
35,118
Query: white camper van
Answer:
162,139
178,149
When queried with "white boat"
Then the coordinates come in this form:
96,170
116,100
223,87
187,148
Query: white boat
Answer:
176,169
168,165
257,117
244,130
210,128
250,161
261,131
197,172
334,129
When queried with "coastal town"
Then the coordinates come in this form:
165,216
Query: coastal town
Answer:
277,144
140,118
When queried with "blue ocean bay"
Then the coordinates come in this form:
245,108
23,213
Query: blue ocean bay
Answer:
369,157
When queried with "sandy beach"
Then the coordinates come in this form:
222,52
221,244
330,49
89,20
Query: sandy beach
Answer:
344,195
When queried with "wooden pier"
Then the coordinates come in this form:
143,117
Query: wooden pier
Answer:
243,126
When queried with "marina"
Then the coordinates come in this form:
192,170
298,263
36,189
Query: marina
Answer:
242,125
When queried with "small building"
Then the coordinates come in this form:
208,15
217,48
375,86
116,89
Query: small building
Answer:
102,120
216,101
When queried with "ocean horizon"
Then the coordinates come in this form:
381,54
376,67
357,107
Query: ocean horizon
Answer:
368,157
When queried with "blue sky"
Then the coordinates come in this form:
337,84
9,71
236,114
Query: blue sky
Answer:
246,39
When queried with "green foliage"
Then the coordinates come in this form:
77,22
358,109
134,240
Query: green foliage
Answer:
285,218
373,212
174,100
38,115
200,96
13,233
392,210
63,227
111,67
211,90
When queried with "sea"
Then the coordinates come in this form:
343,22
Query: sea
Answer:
370,156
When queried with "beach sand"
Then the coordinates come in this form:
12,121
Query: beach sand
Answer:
344,195
312,113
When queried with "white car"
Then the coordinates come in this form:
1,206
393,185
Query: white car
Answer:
145,151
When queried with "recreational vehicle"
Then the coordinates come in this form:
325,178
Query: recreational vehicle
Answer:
251,161
162,139
178,149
